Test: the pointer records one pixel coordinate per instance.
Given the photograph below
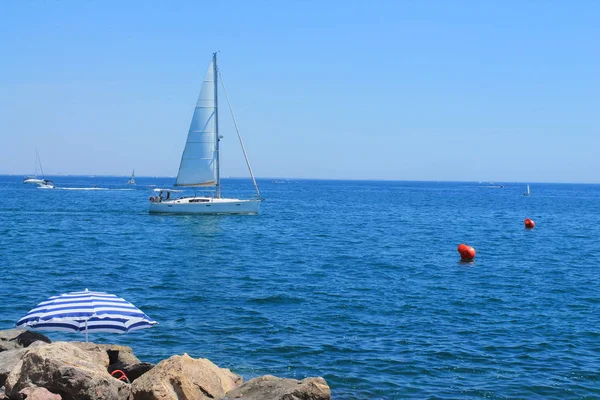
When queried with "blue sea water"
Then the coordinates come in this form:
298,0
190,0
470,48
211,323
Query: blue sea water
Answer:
356,281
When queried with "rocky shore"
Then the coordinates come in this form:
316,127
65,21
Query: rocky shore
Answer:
34,368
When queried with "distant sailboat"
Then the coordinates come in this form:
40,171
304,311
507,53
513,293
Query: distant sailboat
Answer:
131,180
42,183
528,192
200,165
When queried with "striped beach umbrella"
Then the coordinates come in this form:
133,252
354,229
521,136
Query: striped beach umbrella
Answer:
86,312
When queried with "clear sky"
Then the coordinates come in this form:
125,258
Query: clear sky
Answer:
406,90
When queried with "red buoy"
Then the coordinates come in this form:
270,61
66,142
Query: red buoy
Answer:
467,253
529,224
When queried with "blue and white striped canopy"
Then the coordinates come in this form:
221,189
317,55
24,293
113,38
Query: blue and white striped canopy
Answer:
86,312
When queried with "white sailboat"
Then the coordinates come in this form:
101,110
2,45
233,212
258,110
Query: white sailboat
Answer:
42,183
528,192
200,166
131,180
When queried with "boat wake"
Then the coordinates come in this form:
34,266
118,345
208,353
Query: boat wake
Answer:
92,188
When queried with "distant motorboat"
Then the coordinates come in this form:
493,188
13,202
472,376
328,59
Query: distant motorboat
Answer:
528,192
131,180
33,179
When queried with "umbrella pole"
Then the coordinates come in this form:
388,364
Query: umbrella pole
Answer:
86,337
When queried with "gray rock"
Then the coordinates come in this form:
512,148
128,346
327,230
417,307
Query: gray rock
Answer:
26,338
11,339
37,343
66,369
37,393
269,387
8,360
115,352
184,378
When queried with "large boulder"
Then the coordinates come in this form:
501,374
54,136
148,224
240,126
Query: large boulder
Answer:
269,387
8,360
11,339
184,378
64,368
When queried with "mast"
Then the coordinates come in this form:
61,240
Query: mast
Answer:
215,71
39,162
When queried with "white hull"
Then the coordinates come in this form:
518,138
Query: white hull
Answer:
42,183
205,205
34,181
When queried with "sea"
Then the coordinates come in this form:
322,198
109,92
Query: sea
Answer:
358,282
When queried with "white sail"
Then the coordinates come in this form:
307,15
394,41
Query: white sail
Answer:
199,160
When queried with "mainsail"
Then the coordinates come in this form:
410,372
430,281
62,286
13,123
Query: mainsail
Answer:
199,160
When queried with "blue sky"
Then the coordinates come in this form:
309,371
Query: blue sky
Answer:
405,90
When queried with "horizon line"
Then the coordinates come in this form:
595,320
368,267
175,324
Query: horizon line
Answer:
321,179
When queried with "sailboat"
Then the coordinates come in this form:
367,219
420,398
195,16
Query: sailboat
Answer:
42,183
131,180
199,166
528,192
